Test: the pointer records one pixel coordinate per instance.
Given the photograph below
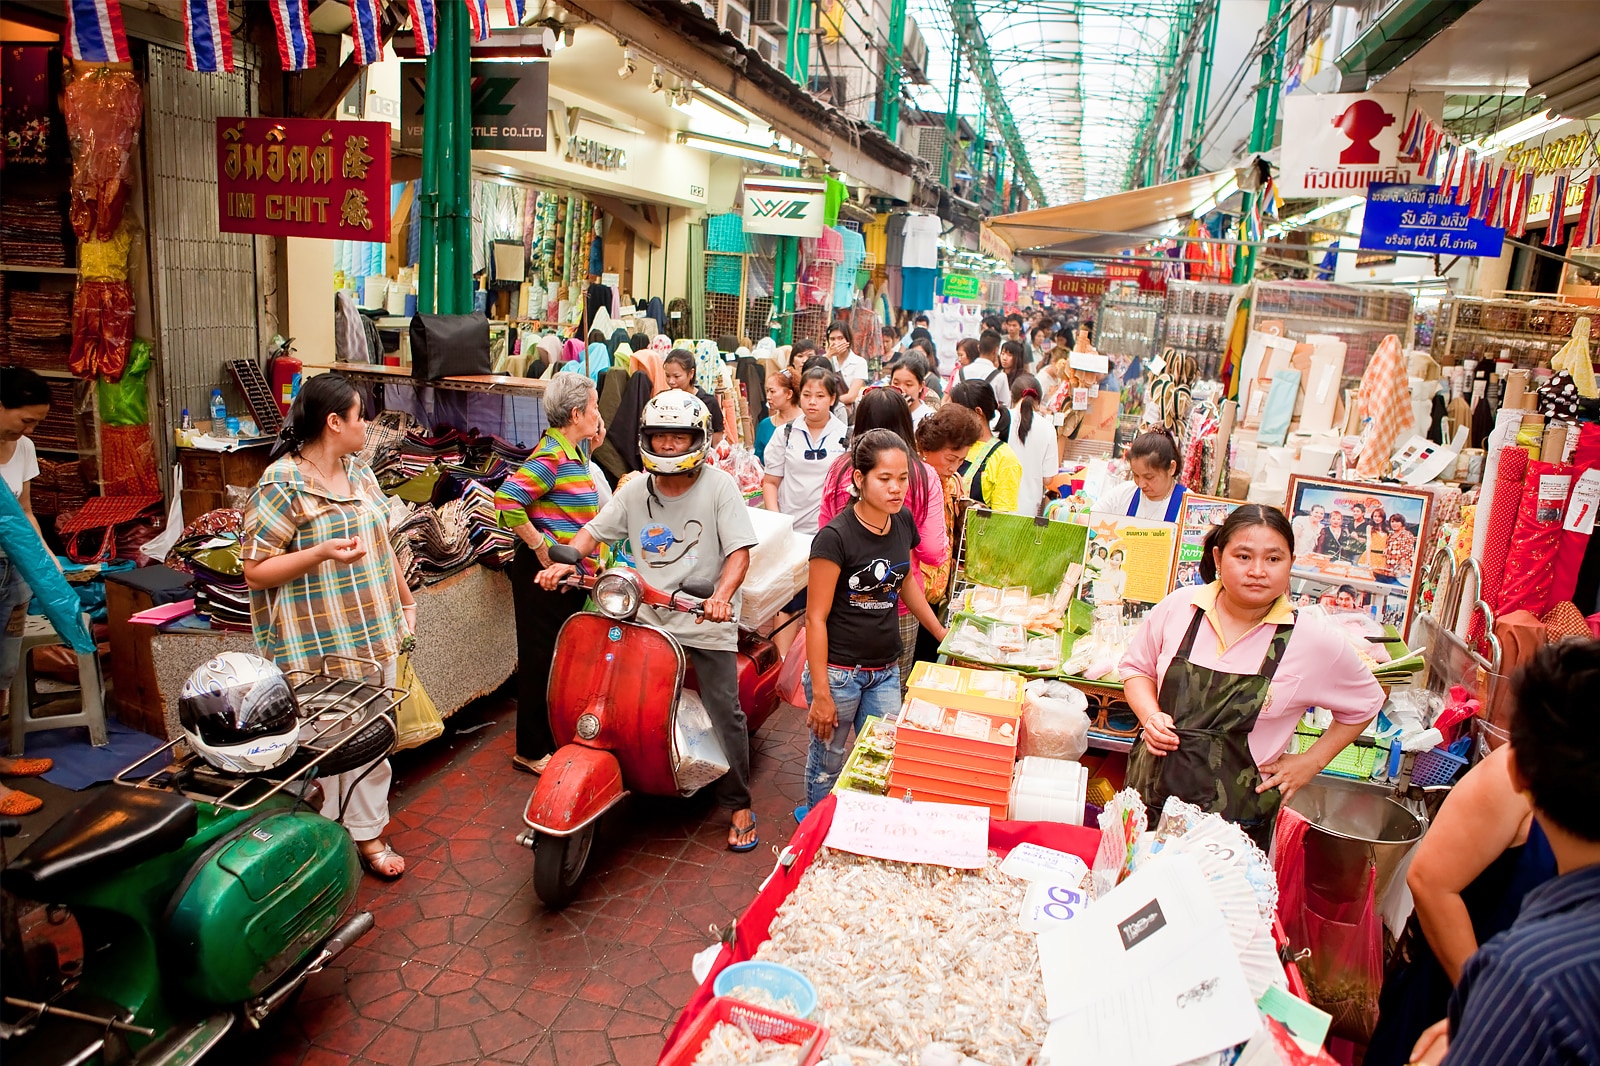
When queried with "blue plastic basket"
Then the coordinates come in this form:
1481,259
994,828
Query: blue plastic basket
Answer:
779,982
1437,766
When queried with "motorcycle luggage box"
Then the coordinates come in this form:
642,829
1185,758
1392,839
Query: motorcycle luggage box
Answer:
257,905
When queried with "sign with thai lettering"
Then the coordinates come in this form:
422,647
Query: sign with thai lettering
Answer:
303,177
1079,284
787,207
1338,144
510,105
1418,218
962,286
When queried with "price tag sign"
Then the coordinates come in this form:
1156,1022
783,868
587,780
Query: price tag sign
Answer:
1032,862
943,834
1080,399
1048,906
1585,500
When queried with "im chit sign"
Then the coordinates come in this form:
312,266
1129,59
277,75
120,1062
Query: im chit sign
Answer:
784,206
303,177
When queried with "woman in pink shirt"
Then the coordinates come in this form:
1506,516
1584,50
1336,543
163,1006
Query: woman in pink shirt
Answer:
1219,675
888,409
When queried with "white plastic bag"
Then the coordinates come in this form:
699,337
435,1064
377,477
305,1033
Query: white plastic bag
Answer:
697,755
1055,720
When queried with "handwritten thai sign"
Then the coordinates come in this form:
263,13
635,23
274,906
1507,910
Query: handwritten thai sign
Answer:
880,827
303,177
1079,284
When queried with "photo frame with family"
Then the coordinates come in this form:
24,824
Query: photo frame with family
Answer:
1364,541
1199,516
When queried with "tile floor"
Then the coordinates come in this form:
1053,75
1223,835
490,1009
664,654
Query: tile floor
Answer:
466,965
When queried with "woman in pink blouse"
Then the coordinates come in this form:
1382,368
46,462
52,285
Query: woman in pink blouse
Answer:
887,409
1218,675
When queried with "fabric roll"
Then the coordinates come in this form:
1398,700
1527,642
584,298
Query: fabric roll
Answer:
1529,573
1573,545
1500,523
1385,400
1505,432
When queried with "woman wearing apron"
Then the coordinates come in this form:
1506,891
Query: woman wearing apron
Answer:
1153,490
1218,675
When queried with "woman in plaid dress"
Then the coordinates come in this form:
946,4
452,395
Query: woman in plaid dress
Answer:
323,580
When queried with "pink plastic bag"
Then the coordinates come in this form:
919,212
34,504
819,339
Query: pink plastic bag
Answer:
791,689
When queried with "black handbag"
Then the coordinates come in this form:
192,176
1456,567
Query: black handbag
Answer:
449,345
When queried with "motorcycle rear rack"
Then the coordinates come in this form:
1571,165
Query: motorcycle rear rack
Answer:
319,690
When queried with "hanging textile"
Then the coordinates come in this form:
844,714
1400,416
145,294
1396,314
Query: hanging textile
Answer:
1578,522
1502,522
1574,359
1530,564
1385,404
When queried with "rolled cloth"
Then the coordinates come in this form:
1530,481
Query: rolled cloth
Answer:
1530,564
1501,521
1570,552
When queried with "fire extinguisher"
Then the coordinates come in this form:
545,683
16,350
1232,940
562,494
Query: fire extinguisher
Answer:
283,372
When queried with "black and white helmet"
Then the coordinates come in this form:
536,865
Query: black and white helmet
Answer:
239,713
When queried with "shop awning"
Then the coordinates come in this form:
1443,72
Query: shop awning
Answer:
1110,223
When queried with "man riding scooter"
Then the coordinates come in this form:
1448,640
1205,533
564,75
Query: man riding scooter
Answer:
687,522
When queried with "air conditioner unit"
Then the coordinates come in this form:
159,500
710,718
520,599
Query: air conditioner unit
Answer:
914,54
767,47
928,144
773,13
735,18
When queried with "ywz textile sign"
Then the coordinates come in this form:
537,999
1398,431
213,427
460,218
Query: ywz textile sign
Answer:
303,177
786,208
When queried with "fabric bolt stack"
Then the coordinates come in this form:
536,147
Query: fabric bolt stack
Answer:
212,559
59,430
491,545
38,329
33,231
439,541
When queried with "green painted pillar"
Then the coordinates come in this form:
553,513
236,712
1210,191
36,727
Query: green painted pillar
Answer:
786,262
1202,90
952,119
889,105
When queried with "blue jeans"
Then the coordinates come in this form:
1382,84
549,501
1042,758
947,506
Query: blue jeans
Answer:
859,693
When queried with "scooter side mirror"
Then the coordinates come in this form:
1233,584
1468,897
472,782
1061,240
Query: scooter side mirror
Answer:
565,553
699,588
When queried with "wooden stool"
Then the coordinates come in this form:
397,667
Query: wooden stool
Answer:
38,633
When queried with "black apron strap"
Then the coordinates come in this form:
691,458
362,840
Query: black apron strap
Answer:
1188,637
1275,651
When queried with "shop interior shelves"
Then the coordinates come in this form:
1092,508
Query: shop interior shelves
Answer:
1358,315
1473,327
1129,325
1195,322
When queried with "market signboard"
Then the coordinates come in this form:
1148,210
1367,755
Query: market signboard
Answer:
1419,218
1338,144
784,206
510,105
303,177
962,286
1079,284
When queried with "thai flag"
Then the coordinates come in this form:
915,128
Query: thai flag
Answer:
1557,229
365,31
424,24
478,14
293,18
1583,229
210,41
94,31
516,11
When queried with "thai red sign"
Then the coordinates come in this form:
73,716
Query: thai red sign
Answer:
1079,284
303,177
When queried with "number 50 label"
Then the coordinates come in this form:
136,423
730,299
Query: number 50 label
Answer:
1051,906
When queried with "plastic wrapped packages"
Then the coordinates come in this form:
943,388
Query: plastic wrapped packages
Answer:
103,109
126,402
768,588
1055,720
102,329
1122,823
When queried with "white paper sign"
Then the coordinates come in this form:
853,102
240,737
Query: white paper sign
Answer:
1089,362
943,834
1338,144
1048,906
1585,500
1032,862
1553,489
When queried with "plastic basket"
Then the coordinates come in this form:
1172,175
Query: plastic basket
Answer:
763,1024
1437,766
778,981
1356,761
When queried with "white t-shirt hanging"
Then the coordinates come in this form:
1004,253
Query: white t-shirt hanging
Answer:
22,467
922,242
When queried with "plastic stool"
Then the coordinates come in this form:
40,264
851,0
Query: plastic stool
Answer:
38,633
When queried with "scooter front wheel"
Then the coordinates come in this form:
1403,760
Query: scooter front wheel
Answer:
558,865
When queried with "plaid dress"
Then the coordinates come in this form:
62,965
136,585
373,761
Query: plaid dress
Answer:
338,608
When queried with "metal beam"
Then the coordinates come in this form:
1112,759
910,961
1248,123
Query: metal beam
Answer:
969,38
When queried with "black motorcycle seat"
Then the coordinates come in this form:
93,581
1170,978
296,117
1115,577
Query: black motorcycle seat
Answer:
118,828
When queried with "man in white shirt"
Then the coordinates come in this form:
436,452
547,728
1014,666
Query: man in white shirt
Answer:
986,367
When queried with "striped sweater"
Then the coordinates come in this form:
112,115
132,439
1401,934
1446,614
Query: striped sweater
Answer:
553,490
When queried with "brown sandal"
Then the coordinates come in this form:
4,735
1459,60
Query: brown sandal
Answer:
16,766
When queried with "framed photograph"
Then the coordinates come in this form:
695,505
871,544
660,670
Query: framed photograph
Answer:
1129,562
1363,540
1200,514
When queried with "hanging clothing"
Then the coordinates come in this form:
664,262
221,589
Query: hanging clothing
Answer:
921,242
618,336
596,359
853,249
630,409
649,362
596,298
916,288
658,312
707,366
1385,403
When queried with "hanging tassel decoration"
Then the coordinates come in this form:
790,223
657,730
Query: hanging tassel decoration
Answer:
1469,170
1411,137
1519,221
1447,171
1588,234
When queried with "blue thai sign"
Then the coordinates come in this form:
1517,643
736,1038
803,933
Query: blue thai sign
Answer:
1419,218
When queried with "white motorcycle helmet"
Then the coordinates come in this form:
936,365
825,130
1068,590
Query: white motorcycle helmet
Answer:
675,412
239,714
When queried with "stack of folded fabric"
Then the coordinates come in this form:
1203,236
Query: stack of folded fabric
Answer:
59,430
33,231
491,545
439,542
39,329
220,593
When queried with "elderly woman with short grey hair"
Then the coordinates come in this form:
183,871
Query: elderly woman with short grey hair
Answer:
545,502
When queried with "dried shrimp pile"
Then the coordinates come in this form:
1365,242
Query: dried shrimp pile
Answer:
903,956
732,1045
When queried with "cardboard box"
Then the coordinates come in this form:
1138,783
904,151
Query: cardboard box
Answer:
984,691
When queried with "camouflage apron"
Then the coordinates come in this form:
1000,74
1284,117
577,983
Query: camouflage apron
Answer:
1213,713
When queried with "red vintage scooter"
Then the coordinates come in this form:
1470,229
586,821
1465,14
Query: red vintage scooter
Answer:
618,691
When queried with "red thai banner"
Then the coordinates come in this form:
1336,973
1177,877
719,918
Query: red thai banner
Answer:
1079,284
303,177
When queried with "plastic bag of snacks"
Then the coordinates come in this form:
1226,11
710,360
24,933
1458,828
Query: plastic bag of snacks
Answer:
1055,720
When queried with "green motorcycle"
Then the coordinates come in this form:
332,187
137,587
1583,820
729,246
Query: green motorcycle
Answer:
205,898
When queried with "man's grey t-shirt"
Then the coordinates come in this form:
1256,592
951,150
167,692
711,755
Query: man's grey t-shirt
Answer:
680,538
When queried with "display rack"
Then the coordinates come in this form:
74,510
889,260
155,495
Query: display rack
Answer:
1129,325
1359,315
1473,327
1196,322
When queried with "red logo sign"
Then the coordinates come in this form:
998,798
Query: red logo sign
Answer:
303,177
1079,284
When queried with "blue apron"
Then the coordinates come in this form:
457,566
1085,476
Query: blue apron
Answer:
1174,503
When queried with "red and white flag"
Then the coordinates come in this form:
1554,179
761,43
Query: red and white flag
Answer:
94,31
208,36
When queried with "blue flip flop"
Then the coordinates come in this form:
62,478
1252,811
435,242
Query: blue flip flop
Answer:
750,846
